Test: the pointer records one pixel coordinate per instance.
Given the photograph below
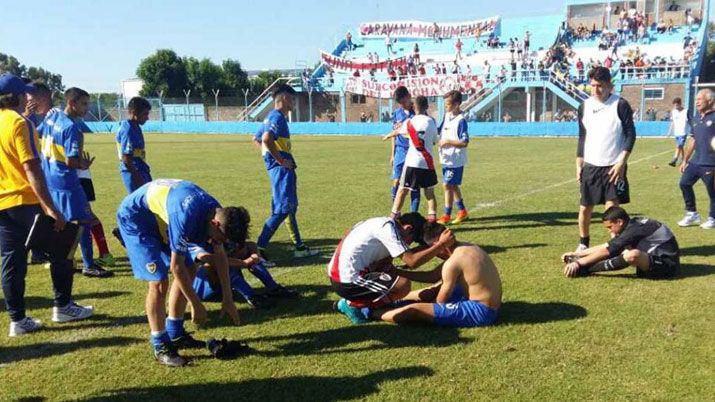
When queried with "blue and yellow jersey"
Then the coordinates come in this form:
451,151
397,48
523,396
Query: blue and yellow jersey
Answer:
130,141
179,208
402,144
61,139
277,125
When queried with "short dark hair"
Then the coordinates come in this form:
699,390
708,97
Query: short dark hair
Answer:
417,222
74,94
454,96
600,74
431,231
138,104
421,103
616,213
677,101
9,101
401,92
283,89
41,89
237,223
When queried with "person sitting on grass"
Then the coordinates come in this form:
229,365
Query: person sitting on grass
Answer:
208,287
467,291
643,243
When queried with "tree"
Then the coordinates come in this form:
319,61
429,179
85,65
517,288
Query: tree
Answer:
264,79
163,71
234,78
203,77
708,72
9,64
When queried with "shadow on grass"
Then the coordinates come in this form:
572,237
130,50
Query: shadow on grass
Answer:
493,249
38,351
282,252
35,302
360,338
704,251
307,388
521,312
686,271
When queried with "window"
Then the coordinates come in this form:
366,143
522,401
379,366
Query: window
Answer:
653,93
358,98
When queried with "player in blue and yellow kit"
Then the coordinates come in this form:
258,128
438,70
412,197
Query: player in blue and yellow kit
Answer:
63,154
130,145
401,144
276,150
160,223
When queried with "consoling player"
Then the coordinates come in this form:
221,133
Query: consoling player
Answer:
400,144
467,293
130,145
453,143
160,222
276,150
361,270
643,243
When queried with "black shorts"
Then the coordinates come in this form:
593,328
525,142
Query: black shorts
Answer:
596,190
88,188
417,178
661,267
368,288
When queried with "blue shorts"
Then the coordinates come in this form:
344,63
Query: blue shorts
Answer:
452,175
461,312
148,254
283,190
72,204
202,286
680,141
398,164
127,179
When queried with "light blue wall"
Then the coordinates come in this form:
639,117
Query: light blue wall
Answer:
646,128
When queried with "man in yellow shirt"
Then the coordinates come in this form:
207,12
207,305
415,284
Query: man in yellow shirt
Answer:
23,194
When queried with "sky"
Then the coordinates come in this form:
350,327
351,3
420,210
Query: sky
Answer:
96,44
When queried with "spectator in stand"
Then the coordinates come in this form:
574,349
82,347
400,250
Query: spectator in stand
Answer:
410,62
513,68
435,33
392,74
502,74
349,41
512,47
416,53
444,69
331,79
661,27
579,69
671,26
519,49
506,118
356,73
388,44
422,69
527,40
487,70
458,48
455,68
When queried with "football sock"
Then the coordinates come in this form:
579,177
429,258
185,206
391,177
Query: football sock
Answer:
611,264
269,228
99,239
239,284
414,201
85,245
158,339
460,205
175,327
585,240
260,272
393,191
448,211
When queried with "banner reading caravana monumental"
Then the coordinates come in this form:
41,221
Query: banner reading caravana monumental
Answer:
437,85
339,63
423,29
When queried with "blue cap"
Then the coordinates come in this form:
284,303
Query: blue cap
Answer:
12,84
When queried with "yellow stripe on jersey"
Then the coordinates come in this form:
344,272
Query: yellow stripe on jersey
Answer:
156,198
52,151
283,144
137,153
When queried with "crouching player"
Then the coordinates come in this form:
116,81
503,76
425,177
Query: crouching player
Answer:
467,292
643,243
208,286
361,270
159,222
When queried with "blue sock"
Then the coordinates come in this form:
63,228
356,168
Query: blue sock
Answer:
239,284
448,210
260,272
460,205
270,227
175,327
415,201
159,339
366,312
393,191
85,245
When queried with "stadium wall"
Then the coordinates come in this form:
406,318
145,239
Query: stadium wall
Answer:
519,129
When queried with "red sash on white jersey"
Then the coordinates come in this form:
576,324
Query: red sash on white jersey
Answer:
419,145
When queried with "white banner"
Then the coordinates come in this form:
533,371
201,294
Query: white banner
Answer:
436,85
423,29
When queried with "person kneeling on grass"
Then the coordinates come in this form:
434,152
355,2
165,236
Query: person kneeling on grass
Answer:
361,270
467,292
644,243
208,286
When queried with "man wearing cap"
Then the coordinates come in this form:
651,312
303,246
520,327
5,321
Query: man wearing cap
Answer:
23,194
276,150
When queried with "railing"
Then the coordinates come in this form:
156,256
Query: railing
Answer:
243,116
567,86
654,72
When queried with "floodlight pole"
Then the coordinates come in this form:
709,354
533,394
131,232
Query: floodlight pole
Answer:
99,107
245,102
187,92
310,104
215,92
161,105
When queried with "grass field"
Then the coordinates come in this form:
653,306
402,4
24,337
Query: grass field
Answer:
607,337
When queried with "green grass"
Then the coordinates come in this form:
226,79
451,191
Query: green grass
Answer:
606,337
